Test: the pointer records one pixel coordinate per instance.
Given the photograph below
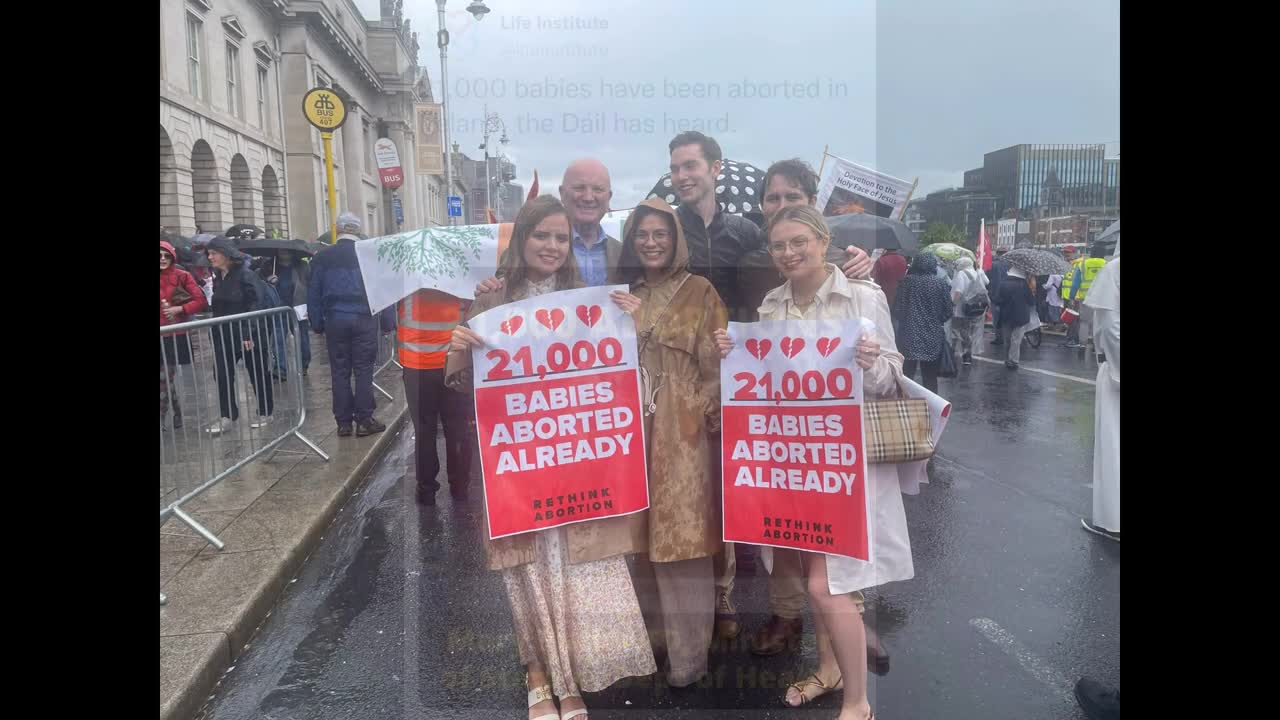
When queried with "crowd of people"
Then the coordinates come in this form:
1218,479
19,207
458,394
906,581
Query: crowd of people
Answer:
662,578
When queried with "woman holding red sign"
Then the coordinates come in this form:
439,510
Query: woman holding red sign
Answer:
578,625
680,376
815,290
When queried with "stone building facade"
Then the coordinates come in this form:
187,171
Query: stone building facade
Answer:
234,145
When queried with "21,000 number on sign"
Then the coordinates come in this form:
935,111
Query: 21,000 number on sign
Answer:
560,357
813,385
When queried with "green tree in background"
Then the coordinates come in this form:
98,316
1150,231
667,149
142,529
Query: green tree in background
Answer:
937,232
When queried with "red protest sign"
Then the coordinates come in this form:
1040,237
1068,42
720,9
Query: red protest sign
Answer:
557,393
794,473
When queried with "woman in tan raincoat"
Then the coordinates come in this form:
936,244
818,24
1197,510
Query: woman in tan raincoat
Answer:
577,622
680,373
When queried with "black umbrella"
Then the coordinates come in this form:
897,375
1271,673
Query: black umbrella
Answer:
190,257
244,231
870,232
269,246
739,188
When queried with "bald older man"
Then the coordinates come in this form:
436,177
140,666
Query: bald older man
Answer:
585,192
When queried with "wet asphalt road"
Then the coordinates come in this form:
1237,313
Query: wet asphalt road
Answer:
394,615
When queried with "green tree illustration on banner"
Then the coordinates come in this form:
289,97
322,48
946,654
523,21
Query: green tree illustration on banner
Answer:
435,252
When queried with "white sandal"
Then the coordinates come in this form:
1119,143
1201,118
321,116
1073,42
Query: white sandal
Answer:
542,693
573,713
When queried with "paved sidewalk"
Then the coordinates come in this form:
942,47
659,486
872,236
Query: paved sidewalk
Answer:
271,516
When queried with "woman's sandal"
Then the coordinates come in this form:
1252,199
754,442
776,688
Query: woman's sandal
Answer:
542,693
812,681
572,713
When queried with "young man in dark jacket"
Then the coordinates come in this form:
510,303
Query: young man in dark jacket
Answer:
338,307
1015,301
717,239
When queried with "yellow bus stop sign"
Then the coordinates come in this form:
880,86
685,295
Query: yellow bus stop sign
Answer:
324,109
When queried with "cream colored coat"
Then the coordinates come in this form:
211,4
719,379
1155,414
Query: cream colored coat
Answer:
838,299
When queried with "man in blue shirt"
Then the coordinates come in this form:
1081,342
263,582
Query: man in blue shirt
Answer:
585,192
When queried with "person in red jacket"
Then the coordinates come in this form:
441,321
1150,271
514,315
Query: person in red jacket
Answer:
175,349
888,272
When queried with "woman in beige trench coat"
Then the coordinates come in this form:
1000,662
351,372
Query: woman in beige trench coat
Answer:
680,370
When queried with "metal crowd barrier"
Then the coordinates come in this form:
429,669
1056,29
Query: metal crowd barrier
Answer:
211,370
387,356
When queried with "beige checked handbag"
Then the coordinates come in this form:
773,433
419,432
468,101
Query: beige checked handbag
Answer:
898,431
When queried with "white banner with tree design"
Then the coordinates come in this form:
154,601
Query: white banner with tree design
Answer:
450,259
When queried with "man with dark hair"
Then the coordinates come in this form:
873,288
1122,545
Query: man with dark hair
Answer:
801,186
786,183
717,240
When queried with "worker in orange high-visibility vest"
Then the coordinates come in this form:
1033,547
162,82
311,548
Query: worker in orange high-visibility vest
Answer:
425,328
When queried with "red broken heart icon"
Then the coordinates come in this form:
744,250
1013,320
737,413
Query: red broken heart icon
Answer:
512,324
589,315
791,347
758,349
550,318
826,346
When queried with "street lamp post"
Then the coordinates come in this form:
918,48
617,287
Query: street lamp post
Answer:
478,10
492,124
442,40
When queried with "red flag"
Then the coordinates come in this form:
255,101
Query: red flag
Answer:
984,247
533,189
493,218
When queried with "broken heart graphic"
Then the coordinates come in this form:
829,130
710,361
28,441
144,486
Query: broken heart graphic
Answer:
826,346
589,315
792,346
551,319
758,349
511,324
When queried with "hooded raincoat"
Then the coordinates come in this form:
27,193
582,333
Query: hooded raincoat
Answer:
680,370
675,327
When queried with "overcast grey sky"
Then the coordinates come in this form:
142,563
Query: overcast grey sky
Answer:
914,88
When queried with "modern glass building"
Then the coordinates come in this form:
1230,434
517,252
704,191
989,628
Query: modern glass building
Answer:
1016,174
1112,199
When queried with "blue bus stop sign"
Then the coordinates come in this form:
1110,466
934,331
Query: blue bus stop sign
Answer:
455,206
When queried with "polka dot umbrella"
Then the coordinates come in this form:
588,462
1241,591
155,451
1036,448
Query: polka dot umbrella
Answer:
739,188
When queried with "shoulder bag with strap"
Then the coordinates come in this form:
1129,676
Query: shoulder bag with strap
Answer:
975,302
897,431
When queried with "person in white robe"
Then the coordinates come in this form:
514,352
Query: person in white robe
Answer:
1104,300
